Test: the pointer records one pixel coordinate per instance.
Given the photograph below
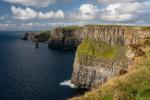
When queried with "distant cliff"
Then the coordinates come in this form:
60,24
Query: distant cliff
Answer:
64,38
58,38
71,36
43,36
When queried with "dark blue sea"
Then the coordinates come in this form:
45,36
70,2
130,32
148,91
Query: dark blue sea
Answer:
27,73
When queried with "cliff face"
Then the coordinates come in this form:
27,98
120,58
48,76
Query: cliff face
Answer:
115,34
96,62
87,76
111,34
100,70
58,38
64,38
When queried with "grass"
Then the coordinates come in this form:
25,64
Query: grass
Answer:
97,48
135,85
71,27
144,28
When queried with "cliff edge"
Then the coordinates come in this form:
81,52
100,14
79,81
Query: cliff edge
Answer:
103,53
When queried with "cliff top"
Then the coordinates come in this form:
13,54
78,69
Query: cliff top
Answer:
68,28
142,28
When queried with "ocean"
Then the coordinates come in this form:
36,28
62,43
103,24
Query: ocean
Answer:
27,73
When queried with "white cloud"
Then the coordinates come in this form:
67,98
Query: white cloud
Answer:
85,12
35,3
6,26
23,14
27,24
124,11
28,13
88,9
47,25
128,11
117,1
51,14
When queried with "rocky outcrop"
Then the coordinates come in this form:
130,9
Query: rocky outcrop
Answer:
43,36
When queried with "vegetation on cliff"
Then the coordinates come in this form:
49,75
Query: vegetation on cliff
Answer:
135,85
99,49
71,27
143,28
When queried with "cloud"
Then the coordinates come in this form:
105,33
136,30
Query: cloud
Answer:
51,14
124,11
36,3
28,13
3,17
23,14
6,26
85,12
127,12
117,1
39,25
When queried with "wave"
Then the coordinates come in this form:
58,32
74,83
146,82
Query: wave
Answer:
67,83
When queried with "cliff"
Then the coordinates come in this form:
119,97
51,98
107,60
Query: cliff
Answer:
64,38
101,54
95,63
133,85
58,38
71,36
115,34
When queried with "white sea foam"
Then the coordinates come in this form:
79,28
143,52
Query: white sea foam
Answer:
67,83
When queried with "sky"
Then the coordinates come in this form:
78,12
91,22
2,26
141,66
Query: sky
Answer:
46,14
